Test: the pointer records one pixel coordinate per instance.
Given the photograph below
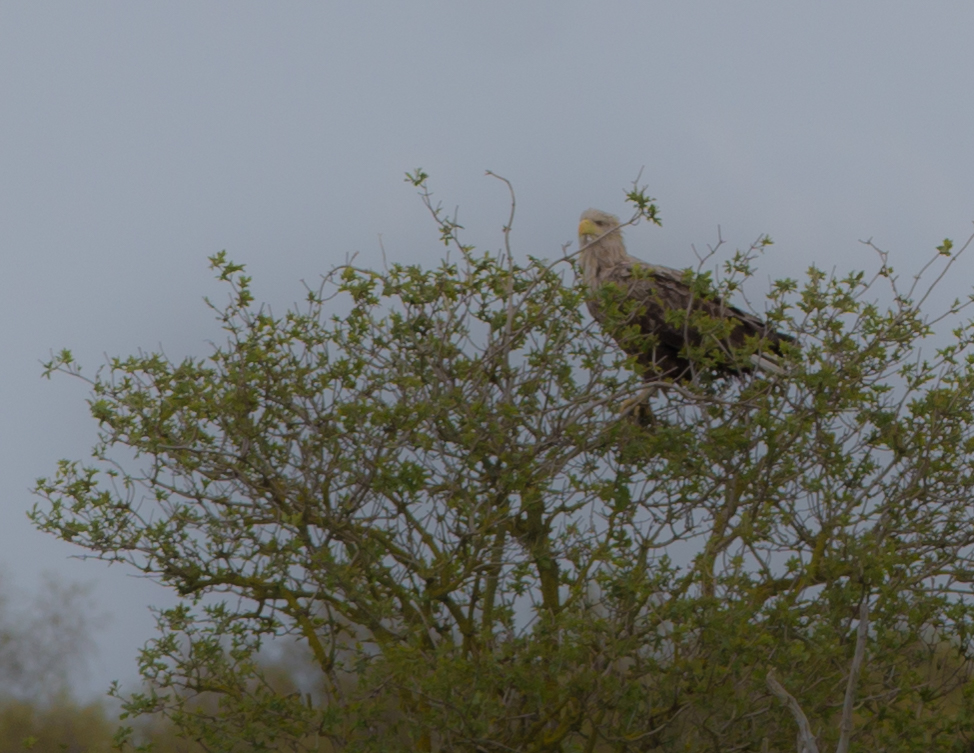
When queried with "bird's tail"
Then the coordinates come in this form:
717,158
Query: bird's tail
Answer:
768,364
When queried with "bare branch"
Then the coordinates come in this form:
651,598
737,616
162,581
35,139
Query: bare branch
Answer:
850,690
806,740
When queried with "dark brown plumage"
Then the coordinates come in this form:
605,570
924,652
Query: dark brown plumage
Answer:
638,305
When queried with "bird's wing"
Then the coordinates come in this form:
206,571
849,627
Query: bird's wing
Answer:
651,291
679,294
643,295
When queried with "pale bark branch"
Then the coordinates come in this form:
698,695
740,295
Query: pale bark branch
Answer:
850,690
806,740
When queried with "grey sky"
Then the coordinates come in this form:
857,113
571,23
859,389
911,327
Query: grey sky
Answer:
136,139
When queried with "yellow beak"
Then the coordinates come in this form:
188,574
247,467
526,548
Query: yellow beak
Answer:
587,227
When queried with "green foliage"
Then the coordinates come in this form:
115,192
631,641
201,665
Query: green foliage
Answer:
422,477
59,728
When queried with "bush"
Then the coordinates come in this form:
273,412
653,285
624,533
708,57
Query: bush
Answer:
433,492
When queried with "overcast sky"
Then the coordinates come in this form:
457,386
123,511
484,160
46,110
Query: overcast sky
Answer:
136,139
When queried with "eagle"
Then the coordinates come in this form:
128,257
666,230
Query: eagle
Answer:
658,316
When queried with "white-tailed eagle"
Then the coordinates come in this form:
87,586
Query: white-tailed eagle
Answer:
672,328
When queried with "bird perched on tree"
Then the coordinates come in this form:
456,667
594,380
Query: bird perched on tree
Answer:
659,317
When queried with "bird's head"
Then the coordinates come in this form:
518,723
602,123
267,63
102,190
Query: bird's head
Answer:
595,224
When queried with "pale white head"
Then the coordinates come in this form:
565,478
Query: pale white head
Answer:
595,223
600,238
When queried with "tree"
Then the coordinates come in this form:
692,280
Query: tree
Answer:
45,641
45,644
422,478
